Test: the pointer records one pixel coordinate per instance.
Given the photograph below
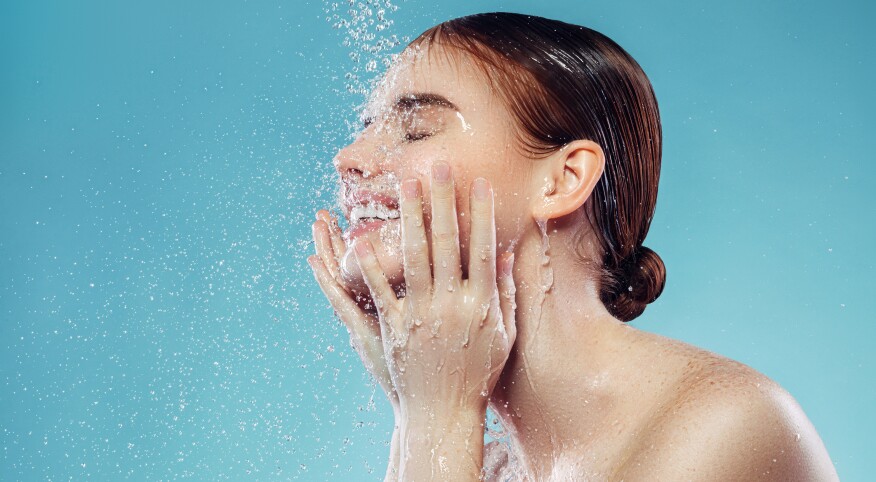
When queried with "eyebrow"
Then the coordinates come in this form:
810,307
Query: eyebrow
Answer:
413,101
423,99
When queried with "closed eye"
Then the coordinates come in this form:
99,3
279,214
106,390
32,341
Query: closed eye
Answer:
417,136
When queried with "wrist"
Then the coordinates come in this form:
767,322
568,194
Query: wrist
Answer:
438,414
392,469
441,446
435,421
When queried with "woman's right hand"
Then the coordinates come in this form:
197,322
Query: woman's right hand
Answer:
362,324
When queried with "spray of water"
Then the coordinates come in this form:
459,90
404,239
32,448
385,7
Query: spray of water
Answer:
364,25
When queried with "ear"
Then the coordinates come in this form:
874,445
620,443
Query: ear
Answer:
572,174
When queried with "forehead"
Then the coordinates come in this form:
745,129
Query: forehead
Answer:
433,69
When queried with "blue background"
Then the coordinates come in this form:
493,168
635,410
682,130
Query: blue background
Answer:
160,163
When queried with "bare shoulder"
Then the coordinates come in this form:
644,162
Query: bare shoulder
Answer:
726,421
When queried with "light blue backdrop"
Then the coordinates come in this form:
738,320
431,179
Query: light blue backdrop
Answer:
160,163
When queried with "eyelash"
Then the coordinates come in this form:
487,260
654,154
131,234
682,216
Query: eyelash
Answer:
416,137
409,137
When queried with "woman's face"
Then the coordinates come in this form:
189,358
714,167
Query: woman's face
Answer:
429,108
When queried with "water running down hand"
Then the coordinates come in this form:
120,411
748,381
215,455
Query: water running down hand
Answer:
445,342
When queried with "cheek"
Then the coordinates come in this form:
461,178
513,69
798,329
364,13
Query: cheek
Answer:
512,219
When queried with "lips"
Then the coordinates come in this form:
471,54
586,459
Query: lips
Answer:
368,210
363,203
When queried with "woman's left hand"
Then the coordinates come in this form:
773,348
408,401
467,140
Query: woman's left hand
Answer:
447,340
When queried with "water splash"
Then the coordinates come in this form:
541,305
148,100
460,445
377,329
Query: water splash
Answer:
363,23
501,457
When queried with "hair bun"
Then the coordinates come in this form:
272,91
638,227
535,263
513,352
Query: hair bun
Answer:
637,281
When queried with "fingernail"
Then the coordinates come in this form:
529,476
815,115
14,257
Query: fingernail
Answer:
361,248
411,188
441,172
481,188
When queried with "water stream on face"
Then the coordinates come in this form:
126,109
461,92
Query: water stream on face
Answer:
465,125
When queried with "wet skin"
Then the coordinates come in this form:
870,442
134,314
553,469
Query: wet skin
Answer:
431,109
582,394
441,347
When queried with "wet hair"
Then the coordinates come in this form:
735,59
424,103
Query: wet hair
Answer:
564,82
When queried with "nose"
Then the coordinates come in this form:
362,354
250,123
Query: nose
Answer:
360,157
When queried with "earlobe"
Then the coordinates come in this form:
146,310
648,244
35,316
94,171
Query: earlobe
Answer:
574,172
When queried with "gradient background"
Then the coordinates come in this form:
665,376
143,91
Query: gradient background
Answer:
160,166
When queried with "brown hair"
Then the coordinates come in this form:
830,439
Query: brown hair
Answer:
564,82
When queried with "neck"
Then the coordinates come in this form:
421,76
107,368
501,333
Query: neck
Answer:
553,388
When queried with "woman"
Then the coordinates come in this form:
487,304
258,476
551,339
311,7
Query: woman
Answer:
498,198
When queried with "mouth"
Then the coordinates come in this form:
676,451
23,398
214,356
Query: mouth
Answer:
369,211
373,212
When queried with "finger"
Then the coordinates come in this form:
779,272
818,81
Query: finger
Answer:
381,291
348,311
507,292
364,329
482,242
337,238
418,274
322,239
445,229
